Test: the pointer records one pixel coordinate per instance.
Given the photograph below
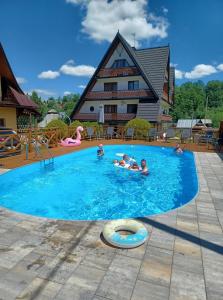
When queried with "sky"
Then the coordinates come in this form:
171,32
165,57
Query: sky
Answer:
54,46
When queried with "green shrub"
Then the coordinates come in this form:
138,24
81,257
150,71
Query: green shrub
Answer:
58,124
75,124
141,127
96,125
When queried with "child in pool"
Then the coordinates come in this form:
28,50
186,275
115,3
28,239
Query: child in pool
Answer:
100,151
134,166
144,168
178,149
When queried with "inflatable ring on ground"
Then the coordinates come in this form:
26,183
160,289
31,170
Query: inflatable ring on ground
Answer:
137,238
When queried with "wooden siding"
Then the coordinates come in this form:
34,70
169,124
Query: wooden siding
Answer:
148,111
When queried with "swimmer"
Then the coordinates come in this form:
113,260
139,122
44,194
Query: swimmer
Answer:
178,149
144,168
100,151
134,166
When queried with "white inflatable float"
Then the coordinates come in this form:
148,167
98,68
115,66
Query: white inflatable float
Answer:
138,236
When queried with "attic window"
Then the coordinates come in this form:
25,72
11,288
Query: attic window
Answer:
120,63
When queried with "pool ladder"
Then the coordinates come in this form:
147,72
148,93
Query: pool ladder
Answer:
46,161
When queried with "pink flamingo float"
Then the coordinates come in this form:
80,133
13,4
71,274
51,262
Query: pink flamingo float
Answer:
69,142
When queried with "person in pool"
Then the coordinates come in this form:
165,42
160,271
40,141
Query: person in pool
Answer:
100,151
178,149
144,168
134,166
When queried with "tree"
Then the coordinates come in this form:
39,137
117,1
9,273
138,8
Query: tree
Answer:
189,101
214,91
42,107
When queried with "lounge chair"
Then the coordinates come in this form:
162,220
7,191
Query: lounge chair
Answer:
110,132
129,134
90,132
207,137
152,134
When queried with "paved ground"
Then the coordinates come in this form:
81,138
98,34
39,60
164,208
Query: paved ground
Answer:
183,258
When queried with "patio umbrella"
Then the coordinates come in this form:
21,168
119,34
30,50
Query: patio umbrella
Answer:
101,115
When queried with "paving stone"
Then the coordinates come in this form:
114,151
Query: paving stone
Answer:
187,248
119,280
72,292
210,227
213,294
156,266
59,269
188,263
218,194
218,203
187,285
116,286
12,255
161,239
98,258
40,289
148,291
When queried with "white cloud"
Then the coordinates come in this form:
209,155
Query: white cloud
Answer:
49,74
21,80
82,86
200,71
220,67
165,10
67,93
81,70
179,74
104,18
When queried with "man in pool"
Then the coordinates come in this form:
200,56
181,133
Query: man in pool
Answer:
144,168
100,151
178,149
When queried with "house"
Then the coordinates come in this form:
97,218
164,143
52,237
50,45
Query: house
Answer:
51,115
193,123
16,108
129,83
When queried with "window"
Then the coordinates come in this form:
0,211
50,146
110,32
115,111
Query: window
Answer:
110,86
132,108
120,63
110,109
2,122
92,108
133,85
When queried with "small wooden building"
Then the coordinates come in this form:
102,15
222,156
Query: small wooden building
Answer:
16,108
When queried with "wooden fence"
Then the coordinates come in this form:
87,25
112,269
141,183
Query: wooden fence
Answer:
15,143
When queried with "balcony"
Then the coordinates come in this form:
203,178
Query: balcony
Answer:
120,72
108,117
124,94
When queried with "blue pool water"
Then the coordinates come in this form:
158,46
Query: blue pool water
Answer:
82,187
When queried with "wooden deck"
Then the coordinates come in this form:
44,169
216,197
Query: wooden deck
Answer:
20,160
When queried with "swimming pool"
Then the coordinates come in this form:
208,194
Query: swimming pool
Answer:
79,186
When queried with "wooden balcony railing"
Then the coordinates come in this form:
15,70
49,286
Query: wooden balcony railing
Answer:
108,117
120,72
118,94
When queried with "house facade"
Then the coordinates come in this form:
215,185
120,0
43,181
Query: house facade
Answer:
15,107
129,83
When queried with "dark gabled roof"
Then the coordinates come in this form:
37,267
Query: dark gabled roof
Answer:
23,100
172,79
154,62
6,72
